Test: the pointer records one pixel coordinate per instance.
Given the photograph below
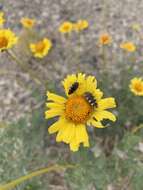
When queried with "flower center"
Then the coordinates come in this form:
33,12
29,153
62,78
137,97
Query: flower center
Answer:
105,39
29,22
40,46
77,109
3,42
138,87
67,28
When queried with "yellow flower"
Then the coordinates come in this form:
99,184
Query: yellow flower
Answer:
41,48
136,27
7,39
81,25
27,22
136,86
2,20
83,106
128,46
66,27
105,39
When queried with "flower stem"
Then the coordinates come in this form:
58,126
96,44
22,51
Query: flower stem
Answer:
79,54
104,57
18,181
25,69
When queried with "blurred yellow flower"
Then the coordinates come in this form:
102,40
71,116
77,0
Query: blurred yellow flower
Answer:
27,22
2,20
83,106
128,46
41,48
105,39
136,27
66,27
136,86
7,39
81,25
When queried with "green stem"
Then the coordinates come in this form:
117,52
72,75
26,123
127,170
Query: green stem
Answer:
104,56
79,55
18,181
105,63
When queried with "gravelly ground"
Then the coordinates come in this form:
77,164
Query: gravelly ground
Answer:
113,16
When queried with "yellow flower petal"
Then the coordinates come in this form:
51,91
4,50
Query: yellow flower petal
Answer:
81,134
91,80
55,127
52,105
67,83
74,147
80,77
56,98
98,94
53,113
59,136
70,79
104,115
85,84
106,103
96,124
68,133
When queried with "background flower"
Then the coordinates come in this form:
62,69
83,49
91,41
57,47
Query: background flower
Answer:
28,22
105,39
136,86
66,27
7,39
128,46
2,19
41,48
81,25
